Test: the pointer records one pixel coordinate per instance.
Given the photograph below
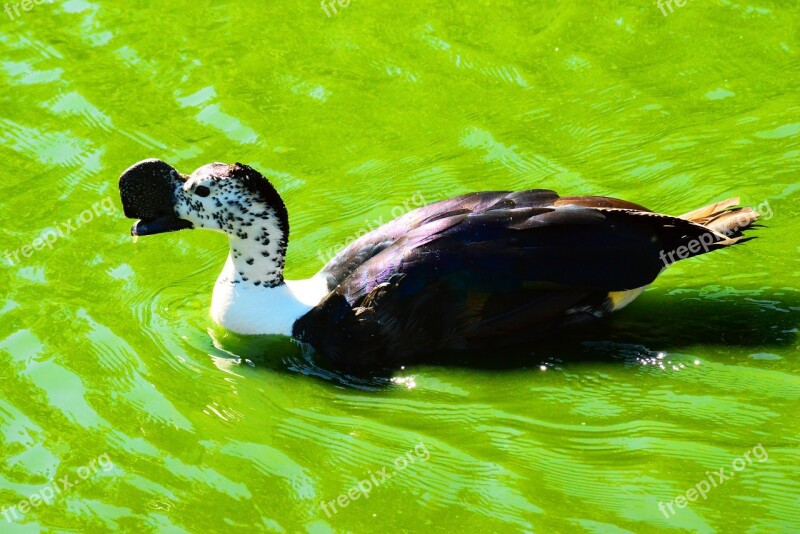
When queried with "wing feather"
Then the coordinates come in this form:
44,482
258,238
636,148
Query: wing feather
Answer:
485,269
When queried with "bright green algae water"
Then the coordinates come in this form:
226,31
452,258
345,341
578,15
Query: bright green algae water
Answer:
110,366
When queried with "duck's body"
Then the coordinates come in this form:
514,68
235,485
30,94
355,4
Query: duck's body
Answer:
476,271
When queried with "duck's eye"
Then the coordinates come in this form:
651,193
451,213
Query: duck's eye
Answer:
202,191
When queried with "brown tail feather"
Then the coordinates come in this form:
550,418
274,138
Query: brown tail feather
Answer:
724,219
702,215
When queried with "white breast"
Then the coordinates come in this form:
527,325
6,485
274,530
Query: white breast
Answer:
246,309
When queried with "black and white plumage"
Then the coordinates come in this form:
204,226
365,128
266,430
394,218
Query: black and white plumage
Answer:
482,270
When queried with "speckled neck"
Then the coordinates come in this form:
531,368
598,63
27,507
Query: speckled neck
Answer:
257,255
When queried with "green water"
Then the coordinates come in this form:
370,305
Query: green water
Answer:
111,368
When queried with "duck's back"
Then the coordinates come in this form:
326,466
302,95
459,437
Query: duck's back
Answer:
484,270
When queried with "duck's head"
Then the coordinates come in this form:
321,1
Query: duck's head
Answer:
234,199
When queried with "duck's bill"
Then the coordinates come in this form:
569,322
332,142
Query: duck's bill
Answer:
147,190
159,225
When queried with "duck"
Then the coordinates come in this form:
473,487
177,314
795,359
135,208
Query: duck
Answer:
480,271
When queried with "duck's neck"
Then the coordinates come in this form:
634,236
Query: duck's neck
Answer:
251,295
257,256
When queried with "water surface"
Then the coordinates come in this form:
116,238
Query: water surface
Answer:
106,347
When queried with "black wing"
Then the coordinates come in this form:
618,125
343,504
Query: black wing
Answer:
485,270
371,244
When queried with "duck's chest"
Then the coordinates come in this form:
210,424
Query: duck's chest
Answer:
251,310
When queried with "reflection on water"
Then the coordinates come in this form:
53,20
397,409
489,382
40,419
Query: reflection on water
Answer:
106,350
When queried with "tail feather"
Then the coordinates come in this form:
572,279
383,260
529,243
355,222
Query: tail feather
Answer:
724,219
702,215
733,222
